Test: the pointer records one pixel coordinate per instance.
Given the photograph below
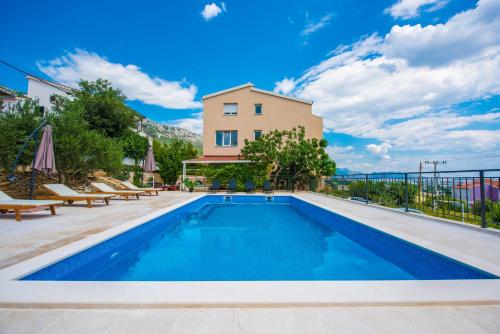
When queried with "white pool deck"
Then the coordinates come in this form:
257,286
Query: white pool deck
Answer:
239,307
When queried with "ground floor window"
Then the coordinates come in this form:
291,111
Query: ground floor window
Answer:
226,138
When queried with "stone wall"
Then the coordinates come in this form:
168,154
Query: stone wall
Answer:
20,187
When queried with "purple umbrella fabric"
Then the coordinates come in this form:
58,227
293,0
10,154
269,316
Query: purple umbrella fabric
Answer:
45,159
150,163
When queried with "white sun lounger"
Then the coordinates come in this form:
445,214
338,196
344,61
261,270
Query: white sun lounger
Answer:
62,192
8,203
105,189
132,186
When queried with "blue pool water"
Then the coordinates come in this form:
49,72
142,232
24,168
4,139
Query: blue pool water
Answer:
252,238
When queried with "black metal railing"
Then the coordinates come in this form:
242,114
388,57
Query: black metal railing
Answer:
470,196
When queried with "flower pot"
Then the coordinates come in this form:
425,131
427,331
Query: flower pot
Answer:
191,190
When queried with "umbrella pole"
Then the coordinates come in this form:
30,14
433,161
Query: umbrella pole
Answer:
11,176
33,171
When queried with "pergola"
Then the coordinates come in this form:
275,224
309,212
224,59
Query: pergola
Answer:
210,160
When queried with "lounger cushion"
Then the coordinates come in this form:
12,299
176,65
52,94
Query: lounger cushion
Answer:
132,186
107,189
4,196
27,202
64,191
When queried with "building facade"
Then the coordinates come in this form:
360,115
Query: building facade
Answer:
44,91
245,112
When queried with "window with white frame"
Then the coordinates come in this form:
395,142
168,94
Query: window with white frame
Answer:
226,138
230,108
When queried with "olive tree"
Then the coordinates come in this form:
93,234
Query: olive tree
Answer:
290,152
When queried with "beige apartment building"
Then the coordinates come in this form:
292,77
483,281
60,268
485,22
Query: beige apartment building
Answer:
245,112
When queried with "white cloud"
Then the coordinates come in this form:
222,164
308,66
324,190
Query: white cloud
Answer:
402,89
193,124
284,86
136,84
344,155
312,27
472,33
212,10
339,149
407,9
381,150
441,132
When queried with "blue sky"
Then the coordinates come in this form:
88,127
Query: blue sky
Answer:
396,81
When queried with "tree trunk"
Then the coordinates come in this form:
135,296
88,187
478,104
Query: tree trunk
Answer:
275,177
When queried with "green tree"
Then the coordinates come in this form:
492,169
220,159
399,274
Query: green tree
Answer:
78,149
104,108
290,152
169,157
134,146
16,125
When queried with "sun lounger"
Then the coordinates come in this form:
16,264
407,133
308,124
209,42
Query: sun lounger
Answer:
249,187
231,186
214,186
8,203
125,185
132,186
105,189
64,193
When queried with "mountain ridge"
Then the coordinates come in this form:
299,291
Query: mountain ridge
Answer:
167,132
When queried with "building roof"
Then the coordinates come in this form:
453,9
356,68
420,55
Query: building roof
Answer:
64,88
252,88
476,183
5,91
216,159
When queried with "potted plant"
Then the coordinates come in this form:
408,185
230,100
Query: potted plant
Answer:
189,184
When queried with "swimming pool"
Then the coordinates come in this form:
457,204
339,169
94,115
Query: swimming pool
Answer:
254,238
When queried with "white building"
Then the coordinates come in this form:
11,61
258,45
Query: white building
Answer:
44,91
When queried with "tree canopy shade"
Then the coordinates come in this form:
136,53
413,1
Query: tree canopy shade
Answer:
169,157
290,152
104,108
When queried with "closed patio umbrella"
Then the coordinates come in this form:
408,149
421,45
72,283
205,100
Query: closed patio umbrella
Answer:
45,159
150,163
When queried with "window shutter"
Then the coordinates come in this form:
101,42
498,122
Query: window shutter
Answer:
218,138
234,138
230,108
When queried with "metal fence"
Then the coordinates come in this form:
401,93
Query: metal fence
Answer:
470,196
